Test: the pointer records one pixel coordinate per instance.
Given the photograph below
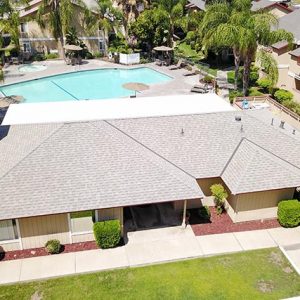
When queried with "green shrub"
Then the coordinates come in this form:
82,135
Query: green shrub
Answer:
53,246
51,56
107,233
233,94
89,55
2,253
283,95
39,57
253,77
98,54
208,79
190,37
289,213
253,91
204,212
264,83
219,193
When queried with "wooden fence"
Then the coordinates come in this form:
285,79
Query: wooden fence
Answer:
267,98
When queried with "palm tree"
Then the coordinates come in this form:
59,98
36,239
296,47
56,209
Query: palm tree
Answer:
235,26
9,22
106,18
175,11
59,15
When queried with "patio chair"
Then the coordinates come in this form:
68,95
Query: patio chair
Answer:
178,65
198,90
158,62
194,71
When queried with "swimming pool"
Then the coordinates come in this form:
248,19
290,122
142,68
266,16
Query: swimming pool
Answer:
83,85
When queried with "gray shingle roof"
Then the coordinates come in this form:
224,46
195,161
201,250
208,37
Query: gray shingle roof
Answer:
291,22
296,52
257,5
83,166
198,3
253,168
209,139
280,44
59,168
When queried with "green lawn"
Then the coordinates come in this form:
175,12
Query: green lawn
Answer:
263,274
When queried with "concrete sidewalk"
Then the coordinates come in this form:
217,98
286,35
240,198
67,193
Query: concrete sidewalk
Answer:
146,247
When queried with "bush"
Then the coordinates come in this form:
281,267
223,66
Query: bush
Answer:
39,57
108,233
89,55
233,94
283,95
2,253
289,213
219,193
98,54
190,36
53,246
208,79
264,83
204,212
51,56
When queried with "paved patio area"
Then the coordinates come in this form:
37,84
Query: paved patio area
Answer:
148,247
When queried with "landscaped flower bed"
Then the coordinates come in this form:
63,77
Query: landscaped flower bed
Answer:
76,247
222,224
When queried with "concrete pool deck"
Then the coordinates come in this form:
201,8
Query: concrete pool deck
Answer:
179,85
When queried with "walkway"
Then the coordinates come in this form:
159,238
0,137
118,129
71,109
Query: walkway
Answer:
147,247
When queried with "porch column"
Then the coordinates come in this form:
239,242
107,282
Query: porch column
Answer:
184,213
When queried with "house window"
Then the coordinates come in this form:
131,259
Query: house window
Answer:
24,27
26,47
8,230
101,46
82,221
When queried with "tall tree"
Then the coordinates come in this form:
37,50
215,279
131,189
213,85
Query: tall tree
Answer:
58,15
106,18
237,27
174,10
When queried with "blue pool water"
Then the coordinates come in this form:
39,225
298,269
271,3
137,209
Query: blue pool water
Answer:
83,85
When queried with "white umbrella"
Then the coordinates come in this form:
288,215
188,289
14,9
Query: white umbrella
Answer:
163,49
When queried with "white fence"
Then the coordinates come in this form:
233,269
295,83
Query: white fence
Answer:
129,59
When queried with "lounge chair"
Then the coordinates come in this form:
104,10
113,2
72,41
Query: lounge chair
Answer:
194,71
199,90
178,65
158,62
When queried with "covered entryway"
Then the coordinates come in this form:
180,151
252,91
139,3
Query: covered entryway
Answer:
151,216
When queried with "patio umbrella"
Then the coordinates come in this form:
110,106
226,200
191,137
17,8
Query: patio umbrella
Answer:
10,47
163,49
136,86
13,99
72,47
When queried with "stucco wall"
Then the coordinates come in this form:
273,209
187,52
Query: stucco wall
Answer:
206,183
256,206
36,231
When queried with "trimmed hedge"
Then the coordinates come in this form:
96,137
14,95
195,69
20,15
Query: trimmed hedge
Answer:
107,233
53,246
289,213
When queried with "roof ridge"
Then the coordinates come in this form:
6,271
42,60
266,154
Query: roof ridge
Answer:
149,149
243,139
157,155
32,151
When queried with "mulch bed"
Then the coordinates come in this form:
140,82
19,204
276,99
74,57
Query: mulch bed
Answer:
76,247
223,224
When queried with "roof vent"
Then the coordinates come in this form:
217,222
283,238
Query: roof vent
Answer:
272,122
182,131
294,131
282,124
238,118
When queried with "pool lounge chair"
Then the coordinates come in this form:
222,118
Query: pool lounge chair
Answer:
178,65
199,90
194,71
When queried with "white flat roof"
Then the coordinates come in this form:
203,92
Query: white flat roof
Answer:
73,111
